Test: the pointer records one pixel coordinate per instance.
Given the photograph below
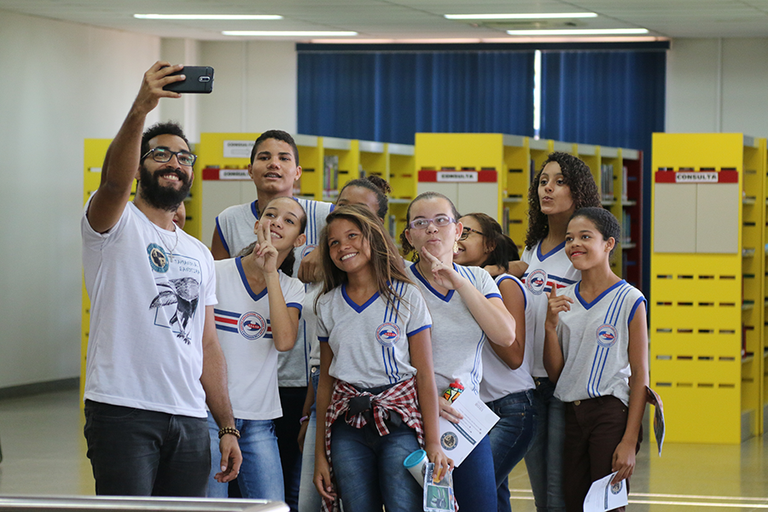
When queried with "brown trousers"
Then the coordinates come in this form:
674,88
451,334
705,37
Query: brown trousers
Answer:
593,430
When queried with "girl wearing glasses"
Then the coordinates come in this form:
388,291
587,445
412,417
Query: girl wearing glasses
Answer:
563,185
469,307
376,375
506,390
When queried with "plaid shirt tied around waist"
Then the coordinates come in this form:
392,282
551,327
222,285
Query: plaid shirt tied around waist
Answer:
400,399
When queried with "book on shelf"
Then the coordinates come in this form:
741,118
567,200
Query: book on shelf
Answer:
331,173
626,227
624,183
606,181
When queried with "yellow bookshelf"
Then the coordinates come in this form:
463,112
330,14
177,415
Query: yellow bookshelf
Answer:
402,178
516,160
708,282
94,151
523,157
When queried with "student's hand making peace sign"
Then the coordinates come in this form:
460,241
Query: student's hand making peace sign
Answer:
264,252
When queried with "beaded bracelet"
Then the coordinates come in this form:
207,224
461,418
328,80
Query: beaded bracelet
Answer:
229,430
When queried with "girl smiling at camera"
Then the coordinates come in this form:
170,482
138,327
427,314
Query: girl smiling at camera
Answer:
376,375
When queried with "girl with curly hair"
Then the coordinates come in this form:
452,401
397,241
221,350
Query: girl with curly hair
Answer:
563,185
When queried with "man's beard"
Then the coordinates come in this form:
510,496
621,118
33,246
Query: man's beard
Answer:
164,198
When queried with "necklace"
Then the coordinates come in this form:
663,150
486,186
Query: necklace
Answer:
162,241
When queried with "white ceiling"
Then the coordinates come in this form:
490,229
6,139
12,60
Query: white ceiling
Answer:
408,19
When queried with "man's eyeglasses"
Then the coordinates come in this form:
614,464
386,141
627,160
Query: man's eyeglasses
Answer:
465,232
439,221
163,155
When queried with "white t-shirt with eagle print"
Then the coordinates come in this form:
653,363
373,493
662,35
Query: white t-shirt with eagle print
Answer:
148,292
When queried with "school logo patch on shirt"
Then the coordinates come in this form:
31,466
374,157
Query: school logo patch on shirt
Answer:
387,334
306,250
158,259
536,281
607,335
252,326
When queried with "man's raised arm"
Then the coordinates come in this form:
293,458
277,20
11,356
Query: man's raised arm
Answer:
122,160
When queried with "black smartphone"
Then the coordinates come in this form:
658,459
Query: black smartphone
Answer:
199,80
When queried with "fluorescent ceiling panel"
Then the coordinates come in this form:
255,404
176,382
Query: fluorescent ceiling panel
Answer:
528,16
259,17
580,32
288,33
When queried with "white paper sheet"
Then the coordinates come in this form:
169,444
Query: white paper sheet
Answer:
458,439
603,496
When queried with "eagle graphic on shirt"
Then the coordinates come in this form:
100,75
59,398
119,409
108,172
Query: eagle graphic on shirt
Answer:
184,293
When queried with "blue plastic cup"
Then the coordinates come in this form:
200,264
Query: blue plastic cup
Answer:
415,463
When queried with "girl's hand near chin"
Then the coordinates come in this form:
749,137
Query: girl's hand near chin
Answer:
445,275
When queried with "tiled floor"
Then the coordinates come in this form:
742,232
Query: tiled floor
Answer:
44,454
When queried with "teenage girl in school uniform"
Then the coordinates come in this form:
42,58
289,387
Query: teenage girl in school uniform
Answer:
376,375
370,191
563,185
469,307
257,316
506,389
596,350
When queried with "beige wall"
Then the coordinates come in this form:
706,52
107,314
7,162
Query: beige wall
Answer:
718,85
61,83
255,87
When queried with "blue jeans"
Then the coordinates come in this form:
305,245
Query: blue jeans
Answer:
544,459
287,429
135,452
309,499
258,478
369,468
473,481
510,438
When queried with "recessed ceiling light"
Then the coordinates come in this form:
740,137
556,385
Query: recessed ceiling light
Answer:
262,17
288,33
579,32
528,16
